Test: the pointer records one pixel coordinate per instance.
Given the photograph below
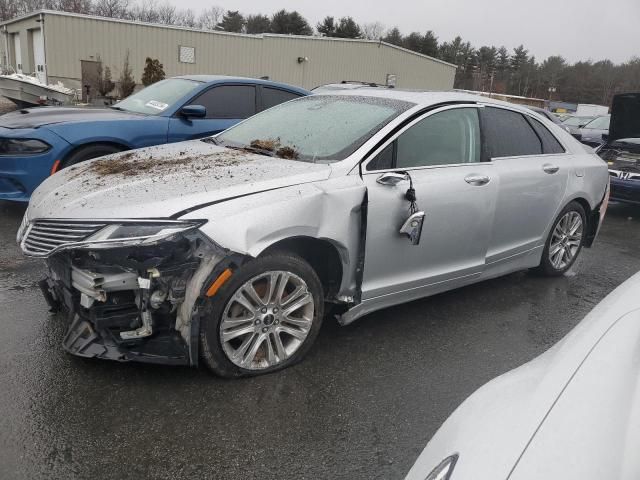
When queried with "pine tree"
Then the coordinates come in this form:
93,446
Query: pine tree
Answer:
153,72
232,21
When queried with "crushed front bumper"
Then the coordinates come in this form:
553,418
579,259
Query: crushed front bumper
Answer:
135,303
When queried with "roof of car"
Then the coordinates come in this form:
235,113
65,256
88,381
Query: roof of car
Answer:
420,97
231,79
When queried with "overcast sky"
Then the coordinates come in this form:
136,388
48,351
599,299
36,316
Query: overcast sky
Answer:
575,29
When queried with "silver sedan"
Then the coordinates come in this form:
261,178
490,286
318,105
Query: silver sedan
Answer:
227,250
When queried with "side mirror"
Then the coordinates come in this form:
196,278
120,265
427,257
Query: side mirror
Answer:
193,111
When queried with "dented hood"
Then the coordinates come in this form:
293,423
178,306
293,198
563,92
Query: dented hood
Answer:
164,181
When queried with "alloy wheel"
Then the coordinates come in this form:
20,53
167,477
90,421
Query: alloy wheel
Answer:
266,320
566,240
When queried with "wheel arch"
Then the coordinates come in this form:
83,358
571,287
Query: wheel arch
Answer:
322,254
77,147
593,218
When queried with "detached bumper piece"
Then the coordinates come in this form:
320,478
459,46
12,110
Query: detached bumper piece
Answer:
84,341
123,302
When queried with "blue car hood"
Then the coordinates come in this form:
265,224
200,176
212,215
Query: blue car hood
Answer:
40,116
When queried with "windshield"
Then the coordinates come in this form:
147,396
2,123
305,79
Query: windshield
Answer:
315,128
577,121
600,123
156,98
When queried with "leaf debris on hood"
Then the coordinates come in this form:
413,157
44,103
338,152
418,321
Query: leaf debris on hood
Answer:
132,164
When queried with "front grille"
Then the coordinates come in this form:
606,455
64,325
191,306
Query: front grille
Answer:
624,175
45,236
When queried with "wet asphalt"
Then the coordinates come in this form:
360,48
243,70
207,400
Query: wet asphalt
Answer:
361,406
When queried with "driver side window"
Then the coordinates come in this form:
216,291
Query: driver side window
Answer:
445,138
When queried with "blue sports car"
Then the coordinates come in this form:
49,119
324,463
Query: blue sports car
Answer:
37,142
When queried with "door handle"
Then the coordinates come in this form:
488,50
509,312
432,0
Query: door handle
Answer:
548,168
392,178
477,180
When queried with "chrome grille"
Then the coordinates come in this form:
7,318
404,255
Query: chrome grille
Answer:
46,236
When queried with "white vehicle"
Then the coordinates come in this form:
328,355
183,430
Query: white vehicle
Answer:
589,110
573,413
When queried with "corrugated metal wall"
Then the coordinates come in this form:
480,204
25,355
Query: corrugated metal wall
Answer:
71,38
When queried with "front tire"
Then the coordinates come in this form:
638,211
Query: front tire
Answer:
88,152
264,319
565,241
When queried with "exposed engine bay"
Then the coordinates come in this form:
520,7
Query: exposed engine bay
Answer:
135,303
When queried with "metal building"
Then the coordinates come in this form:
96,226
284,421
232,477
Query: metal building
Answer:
60,46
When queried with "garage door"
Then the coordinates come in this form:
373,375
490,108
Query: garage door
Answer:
17,52
38,55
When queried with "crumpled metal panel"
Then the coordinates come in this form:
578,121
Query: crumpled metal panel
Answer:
328,210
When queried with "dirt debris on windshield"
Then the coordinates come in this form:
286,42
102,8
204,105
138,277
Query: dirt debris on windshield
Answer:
273,145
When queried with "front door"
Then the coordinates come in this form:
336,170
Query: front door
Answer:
226,105
442,154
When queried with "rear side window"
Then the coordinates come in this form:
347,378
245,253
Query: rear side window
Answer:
228,101
508,134
274,96
549,143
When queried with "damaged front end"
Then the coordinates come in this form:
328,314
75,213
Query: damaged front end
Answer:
128,298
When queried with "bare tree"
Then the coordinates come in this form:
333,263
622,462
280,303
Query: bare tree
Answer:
75,6
210,17
372,30
146,11
167,14
111,8
186,18
8,9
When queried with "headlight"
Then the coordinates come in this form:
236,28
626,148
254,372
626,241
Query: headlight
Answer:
22,146
444,469
140,233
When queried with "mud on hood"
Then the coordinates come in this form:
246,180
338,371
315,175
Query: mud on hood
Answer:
162,181
625,116
39,116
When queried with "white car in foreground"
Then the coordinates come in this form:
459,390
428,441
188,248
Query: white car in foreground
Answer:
573,413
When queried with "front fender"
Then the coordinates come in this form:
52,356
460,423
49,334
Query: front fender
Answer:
329,210
137,133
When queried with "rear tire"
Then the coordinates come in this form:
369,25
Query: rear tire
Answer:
564,242
244,334
88,152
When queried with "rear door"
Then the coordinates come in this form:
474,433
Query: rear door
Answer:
226,105
533,170
441,151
